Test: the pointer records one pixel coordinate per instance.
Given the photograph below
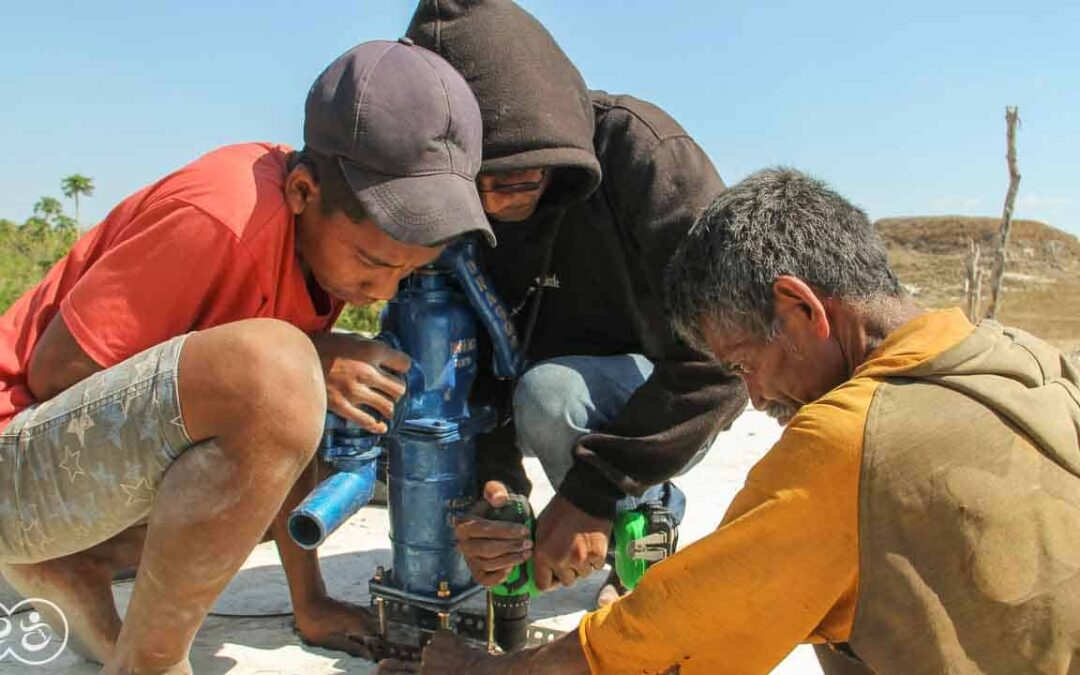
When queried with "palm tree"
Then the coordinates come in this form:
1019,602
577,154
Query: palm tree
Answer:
77,184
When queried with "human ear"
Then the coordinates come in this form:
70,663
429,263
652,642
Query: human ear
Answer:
795,299
301,189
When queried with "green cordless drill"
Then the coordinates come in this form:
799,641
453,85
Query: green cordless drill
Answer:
642,537
508,602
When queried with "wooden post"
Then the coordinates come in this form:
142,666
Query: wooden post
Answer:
977,302
973,281
1012,118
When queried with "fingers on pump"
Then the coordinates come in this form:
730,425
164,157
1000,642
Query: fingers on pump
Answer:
371,375
387,384
340,405
362,395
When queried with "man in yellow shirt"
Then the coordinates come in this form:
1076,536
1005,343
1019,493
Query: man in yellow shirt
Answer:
920,513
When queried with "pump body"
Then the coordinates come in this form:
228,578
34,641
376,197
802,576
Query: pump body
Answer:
430,448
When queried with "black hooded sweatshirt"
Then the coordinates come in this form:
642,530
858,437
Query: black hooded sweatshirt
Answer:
585,272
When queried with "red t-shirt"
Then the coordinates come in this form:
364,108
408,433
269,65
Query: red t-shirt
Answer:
210,244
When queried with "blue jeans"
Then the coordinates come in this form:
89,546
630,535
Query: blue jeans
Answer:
559,400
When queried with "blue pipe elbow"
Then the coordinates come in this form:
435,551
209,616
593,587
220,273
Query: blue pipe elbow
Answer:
330,504
461,258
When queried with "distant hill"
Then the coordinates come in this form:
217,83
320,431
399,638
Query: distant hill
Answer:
1030,239
1042,279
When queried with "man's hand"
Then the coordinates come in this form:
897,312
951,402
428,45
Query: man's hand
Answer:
361,376
492,548
570,544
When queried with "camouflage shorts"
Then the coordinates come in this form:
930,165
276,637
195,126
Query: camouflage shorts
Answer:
84,465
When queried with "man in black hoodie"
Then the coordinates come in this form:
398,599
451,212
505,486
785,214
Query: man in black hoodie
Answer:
589,194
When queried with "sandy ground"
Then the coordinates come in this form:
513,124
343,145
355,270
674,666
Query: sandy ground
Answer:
265,645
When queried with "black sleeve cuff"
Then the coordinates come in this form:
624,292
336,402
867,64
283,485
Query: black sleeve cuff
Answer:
497,458
586,487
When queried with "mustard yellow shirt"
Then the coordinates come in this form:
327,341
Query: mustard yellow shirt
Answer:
783,566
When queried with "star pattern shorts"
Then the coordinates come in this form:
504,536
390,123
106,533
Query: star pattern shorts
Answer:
83,466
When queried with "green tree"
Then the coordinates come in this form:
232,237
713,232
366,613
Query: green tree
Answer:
29,250
74,185
48,208
49,213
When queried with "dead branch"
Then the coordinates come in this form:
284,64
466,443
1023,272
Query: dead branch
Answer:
973,281
977,300
1012,118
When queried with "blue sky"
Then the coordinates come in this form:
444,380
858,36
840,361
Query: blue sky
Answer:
899,105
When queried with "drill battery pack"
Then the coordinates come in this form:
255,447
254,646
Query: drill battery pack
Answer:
643,537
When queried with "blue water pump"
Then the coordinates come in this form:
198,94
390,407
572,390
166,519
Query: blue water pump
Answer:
430,442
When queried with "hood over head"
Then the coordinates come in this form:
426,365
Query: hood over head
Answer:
1021,378
534,104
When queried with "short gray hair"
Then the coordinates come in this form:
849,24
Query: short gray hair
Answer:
775,222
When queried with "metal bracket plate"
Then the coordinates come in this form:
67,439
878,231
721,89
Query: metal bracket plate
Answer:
409,628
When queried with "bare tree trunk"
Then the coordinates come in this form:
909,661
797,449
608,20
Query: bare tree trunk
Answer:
1012,118
973,281
977,301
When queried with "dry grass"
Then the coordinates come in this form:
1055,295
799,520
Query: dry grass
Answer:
1042,282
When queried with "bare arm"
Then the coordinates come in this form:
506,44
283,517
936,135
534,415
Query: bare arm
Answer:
58,362
563,656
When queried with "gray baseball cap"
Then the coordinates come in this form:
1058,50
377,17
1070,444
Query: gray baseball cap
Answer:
407,134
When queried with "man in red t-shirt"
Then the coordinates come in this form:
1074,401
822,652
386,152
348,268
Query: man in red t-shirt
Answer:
163,389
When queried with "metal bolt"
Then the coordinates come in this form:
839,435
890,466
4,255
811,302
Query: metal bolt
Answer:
380,606
490,622
444,620
444,589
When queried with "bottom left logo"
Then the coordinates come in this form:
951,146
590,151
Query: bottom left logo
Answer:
27,637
